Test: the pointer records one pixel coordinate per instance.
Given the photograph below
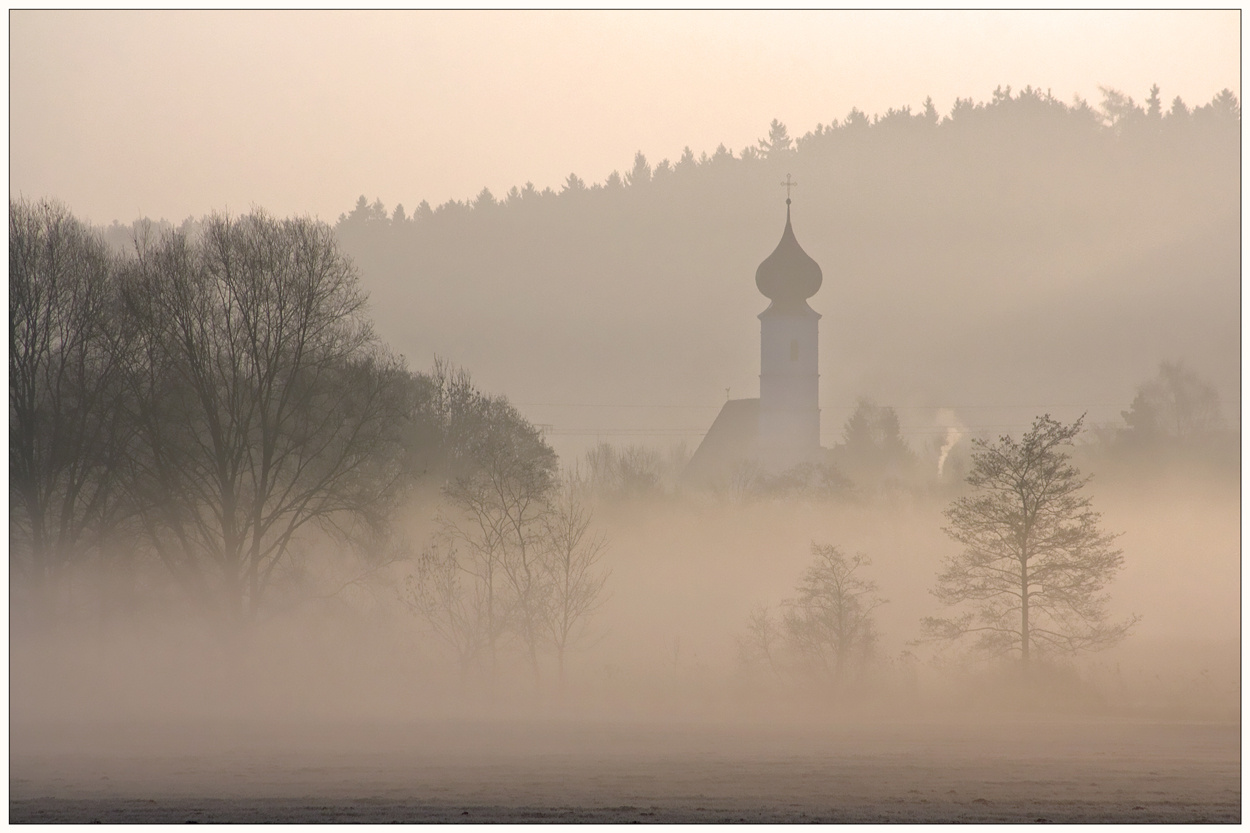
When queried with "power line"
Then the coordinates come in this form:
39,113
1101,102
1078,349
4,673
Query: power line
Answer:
596,405
833,406
919,431
935,431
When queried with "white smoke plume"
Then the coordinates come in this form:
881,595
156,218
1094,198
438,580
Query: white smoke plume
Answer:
954,431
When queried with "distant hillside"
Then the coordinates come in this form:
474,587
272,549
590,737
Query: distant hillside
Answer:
1021,252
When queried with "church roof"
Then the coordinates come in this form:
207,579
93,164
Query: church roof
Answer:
788,276
732,439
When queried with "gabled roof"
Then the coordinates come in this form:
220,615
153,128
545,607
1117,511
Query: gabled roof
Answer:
732,439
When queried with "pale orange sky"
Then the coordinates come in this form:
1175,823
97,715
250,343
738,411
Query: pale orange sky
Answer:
171,114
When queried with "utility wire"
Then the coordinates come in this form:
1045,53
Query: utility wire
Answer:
966,427
823,406
683,432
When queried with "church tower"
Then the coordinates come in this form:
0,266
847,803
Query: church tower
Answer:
789,410
781,429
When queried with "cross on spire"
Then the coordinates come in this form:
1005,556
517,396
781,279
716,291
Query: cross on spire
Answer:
788,185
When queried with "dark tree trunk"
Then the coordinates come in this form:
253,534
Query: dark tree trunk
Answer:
1024,617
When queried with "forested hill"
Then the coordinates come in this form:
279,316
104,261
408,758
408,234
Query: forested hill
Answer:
1019,251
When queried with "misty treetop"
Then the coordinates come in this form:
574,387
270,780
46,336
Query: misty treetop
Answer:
984,134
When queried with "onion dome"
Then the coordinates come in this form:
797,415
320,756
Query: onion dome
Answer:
788,276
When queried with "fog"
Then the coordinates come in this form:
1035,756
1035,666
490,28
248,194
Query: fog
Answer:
353,698
684,579
908,492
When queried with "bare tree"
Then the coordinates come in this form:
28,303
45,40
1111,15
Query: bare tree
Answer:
495,514
64,431
764,640
264,404
634,471
807,480
574,581
1035,561
830,622
455,605
744,479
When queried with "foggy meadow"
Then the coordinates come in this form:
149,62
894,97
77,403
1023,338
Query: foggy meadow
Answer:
424,483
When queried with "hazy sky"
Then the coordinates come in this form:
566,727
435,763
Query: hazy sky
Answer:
170,114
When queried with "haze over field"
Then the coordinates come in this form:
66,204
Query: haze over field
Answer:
359,363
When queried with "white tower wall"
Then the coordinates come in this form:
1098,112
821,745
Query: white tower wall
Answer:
789,421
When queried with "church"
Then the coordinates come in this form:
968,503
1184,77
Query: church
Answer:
780,429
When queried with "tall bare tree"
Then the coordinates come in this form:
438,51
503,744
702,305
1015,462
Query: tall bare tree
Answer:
264,404
574,580
1035,561
496,513
64,434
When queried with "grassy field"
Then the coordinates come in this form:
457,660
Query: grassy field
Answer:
600,771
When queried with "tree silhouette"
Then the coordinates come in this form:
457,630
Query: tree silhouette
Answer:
262,402
65,398
873,449
778,144
640,174
1035,562
454,606
497,506
514,553
1177,405
1225,106
573,578
830,621
1154,103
